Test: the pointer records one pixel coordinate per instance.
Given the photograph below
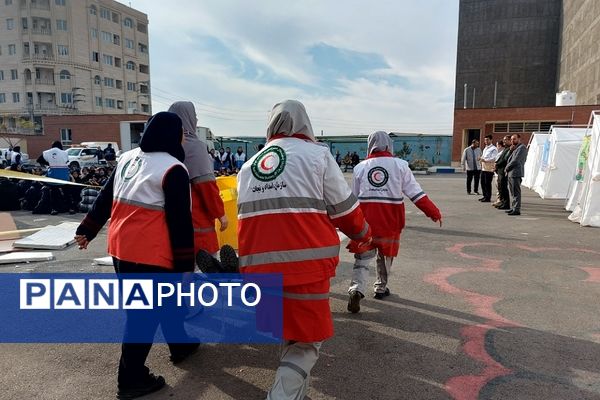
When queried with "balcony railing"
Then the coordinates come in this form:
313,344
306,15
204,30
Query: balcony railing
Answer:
38,57
40,81
41,31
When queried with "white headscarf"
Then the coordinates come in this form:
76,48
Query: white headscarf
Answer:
289,118
197,159
380,141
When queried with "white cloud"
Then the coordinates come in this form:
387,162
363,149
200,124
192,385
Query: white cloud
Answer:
417,40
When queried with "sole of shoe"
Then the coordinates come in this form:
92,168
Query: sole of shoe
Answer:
354,302
206,262
229,259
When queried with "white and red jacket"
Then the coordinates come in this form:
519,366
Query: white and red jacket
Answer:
138,228
381,183
291,197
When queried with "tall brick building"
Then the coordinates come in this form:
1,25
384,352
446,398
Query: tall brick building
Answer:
514,56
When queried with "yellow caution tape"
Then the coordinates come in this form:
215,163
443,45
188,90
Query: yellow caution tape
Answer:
6,173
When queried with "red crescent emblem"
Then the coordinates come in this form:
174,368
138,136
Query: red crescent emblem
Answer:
263,163
376,176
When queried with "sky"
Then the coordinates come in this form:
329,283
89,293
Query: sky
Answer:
357,66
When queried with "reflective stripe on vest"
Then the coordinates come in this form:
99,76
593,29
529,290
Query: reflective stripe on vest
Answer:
274,257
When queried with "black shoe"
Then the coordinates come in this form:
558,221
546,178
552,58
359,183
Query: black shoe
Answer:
509,210
380,295
189,349
229,259
207,263
354,301
149,384
513,212
486,201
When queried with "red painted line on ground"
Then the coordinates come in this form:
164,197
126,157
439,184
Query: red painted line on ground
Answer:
468,387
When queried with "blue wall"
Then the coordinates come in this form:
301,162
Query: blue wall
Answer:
435,149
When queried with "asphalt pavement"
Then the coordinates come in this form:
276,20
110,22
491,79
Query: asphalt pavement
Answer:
489,306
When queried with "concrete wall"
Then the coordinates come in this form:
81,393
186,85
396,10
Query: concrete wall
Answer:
579,69
512,42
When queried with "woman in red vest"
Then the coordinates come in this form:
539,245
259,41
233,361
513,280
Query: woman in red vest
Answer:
147,199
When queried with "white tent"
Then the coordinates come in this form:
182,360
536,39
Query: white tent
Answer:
577,181
558,174
534,158
587,211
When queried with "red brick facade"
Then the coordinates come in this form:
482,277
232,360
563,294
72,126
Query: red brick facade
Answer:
84,128
485,118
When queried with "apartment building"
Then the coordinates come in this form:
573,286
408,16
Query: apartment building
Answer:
63,57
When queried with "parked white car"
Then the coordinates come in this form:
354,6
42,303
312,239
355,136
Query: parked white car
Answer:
80,157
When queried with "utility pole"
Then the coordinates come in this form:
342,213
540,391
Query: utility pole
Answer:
465,98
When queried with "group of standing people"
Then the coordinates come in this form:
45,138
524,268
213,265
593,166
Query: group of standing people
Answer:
506,159
286,226
225,162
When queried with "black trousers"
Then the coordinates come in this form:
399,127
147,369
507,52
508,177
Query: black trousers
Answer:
503,189
473,175
486,184
133,355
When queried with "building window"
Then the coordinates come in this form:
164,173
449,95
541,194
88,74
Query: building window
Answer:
12,49
62,50
144,69
1,75
94,33
109,103
10,24
109,82
131,105
16,98
61,25
143,48
145,108
117,40
64,74
106,59
2,98
66,136
24,23
117,62
98,101
115,18
131,86
142,28
66,98
97,80
7,2
128,22
104,13
119,84
129,43
130,65
144,89
120,104
59,2
93,10
95,56
107,36
14,74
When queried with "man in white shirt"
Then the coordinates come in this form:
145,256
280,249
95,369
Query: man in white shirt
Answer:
488,160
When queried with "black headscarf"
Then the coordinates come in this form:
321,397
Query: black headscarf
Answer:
57,144
163,133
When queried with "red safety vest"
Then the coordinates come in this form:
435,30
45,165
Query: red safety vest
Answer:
138,227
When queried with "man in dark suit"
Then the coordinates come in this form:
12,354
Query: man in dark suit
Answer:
503,202
515,171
